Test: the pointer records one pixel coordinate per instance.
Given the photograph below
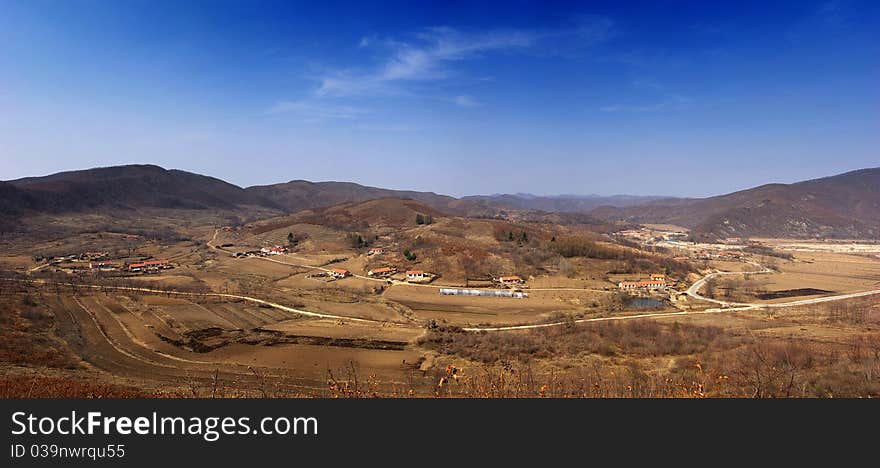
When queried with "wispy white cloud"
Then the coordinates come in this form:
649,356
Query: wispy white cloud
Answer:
314,111
430,54
672,102
407,67
426,59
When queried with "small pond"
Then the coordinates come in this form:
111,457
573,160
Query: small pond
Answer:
645,303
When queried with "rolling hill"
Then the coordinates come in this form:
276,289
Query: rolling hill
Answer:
301,194
381,211
841,206
130,187
560,203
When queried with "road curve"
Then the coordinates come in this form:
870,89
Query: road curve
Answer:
391,282
693,291
205,294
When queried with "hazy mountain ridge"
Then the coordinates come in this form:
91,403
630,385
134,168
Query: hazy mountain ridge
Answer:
840,206
131,187
845,205
299,195
561,203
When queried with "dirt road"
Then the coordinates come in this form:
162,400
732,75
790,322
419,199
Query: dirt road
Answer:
693,291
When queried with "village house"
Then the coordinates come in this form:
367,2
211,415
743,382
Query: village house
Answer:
510,280
637,285
415,275
384,271
277,250
152,265
658,277
103,266
339,273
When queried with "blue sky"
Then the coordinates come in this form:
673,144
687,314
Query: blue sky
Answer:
672,98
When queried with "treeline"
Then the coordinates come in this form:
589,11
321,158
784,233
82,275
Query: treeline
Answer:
629,260
643,338
708,362
767,251
579,246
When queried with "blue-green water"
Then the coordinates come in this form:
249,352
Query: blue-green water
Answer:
645,303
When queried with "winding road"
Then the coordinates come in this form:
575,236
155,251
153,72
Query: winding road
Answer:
693,291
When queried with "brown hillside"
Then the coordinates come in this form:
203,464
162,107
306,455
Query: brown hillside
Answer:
842,206
380,212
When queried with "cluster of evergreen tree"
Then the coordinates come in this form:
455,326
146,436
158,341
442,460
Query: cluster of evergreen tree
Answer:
522,237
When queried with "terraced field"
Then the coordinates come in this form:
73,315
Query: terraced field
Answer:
173,341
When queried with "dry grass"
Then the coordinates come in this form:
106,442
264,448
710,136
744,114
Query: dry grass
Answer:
23,386
642,338
623,360
27,334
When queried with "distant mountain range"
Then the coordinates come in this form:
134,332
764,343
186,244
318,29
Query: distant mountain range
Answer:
841,206
299,195
128,187
846,205
561,203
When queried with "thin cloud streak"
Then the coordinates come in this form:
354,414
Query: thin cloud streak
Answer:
672,102
430,56
314,111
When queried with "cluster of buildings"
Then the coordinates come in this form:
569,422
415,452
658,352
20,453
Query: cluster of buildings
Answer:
482,292
417,275
102,266
277,250
80,257
657,281
647,236
264,252
382,272
339,273
411,275
99,262
720,255
512,280
151,266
